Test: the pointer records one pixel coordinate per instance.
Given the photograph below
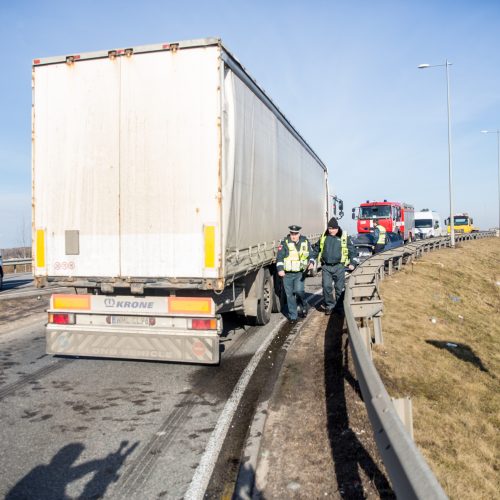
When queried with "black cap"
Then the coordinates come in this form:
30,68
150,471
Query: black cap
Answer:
333,223
294,228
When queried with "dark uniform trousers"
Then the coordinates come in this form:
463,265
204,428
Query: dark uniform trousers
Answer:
333,277
294,288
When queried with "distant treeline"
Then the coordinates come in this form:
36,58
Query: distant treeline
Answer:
16,253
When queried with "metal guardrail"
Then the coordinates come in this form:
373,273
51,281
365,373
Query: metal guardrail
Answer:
410,475
17,265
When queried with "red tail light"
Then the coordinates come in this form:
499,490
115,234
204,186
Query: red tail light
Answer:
62,318
204,324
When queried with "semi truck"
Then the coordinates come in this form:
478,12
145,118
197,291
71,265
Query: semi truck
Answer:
395,216
164,178
428,224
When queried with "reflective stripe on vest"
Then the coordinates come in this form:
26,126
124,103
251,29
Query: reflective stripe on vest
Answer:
344,255
296,260
381,235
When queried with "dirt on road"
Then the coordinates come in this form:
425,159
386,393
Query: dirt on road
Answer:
317,440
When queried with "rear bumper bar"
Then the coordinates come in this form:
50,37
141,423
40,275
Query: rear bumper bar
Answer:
201,347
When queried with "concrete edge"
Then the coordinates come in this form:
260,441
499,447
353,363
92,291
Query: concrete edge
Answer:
249,467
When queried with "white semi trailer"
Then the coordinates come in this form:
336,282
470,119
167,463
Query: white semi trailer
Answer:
163,180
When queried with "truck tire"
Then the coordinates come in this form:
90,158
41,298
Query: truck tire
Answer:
266,300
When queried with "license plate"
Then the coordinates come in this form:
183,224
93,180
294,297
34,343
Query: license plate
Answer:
129,320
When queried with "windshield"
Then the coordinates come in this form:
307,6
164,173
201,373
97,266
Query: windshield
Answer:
381,211
461,221
423,223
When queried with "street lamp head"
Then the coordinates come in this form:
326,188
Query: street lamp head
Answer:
422,66
485,131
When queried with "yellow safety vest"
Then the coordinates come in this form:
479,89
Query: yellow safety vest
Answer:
296,260
381,235
344,259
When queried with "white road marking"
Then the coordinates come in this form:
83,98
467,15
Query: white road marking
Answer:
199,482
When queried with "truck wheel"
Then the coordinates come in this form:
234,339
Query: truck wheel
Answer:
266,300
279,297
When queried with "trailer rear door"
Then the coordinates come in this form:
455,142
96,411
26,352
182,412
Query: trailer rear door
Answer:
76,168
126,157
169,158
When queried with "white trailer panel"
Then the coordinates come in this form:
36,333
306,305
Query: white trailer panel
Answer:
76,155
270,179
169,161
164,164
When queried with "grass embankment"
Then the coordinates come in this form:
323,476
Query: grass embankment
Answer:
441,330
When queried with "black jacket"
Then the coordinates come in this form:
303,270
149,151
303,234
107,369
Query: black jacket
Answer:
332,250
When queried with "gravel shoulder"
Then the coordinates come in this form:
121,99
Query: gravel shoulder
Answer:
317,440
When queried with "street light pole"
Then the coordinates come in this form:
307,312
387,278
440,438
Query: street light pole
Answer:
498,157
450,170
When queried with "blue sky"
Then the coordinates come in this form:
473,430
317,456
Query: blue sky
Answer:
344,73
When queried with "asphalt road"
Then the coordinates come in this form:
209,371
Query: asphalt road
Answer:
17,282
94,428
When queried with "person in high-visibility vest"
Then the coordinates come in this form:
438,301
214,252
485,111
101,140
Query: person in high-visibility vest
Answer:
292,260
336,252
379,236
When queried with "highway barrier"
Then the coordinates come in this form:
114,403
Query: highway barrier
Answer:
21,265
410,475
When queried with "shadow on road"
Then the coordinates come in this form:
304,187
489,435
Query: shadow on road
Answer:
349,454
49,482
11,283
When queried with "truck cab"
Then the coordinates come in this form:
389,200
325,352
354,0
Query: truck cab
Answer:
462,223
428,224
396,217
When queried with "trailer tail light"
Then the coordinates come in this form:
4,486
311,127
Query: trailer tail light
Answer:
204,324
62,318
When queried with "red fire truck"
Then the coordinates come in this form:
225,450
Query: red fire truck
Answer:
395,216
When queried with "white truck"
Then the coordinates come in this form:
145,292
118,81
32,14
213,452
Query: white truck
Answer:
428,224
164,178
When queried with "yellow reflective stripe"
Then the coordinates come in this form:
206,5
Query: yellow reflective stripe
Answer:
381,234
344,250
40,248
209,234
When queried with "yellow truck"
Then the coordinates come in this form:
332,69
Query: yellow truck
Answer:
462,223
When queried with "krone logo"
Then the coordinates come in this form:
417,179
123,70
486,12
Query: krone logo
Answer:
109,302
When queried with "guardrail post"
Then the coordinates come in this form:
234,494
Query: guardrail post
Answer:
400,263
377,328
389,267
367,338
404,409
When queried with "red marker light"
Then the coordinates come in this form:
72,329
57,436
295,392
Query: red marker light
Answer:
204,324
62,318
